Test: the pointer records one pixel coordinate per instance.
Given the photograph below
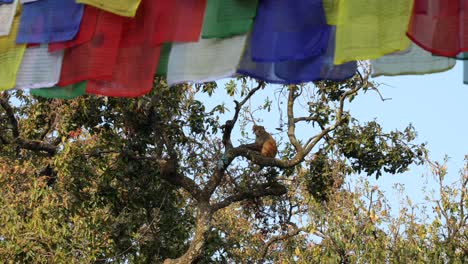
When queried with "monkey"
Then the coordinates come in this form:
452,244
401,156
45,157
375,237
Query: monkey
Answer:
264,142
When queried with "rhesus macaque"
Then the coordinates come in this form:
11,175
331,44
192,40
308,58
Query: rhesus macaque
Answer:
264,142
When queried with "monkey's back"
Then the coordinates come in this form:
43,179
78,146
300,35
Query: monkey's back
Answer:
269,148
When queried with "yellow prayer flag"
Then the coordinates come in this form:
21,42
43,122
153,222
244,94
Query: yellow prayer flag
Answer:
369,29
331,11
126,8
11,55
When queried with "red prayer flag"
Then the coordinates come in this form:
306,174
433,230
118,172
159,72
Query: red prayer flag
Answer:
138,56
179,21
94,59
439,26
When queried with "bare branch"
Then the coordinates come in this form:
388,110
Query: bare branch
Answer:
304,119
291,123
372,86
229,125
227,130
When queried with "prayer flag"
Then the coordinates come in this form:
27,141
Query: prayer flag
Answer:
285,31
133,72
298,71
86,32
414,60
7,13
228,17
370,29
67,92
11,55
178,21
204,61
440,27
164,59
126,8
94,59
48,21
39,68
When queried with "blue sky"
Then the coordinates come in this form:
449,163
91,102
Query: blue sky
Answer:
436,106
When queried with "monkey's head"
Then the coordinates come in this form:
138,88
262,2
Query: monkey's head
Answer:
258,130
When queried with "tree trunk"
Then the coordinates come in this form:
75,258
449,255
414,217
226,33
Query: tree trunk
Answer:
202,227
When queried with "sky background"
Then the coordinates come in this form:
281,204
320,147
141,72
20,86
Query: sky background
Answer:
436,106
434,103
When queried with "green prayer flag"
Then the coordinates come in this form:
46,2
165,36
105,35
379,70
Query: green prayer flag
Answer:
164,59
227,18
67,92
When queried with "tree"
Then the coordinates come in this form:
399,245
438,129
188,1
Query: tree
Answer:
356,225
156,178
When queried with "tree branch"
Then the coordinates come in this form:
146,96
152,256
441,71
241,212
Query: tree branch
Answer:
10,114
168,170
339,120
291,121
227,128
258,159
304,119
48,127
260,190
229,125
34,145
292,233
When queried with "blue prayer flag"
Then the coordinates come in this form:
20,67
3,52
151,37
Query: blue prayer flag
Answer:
284,30
48,21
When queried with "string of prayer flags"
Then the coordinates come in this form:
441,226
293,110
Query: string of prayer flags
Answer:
67,92
414,60
126,8
204,61
48,21
284,31
297,71
86,32
133,72
95,58
11,55
114,48
440,27
39,68
228,17
7,13
371,29
178,21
